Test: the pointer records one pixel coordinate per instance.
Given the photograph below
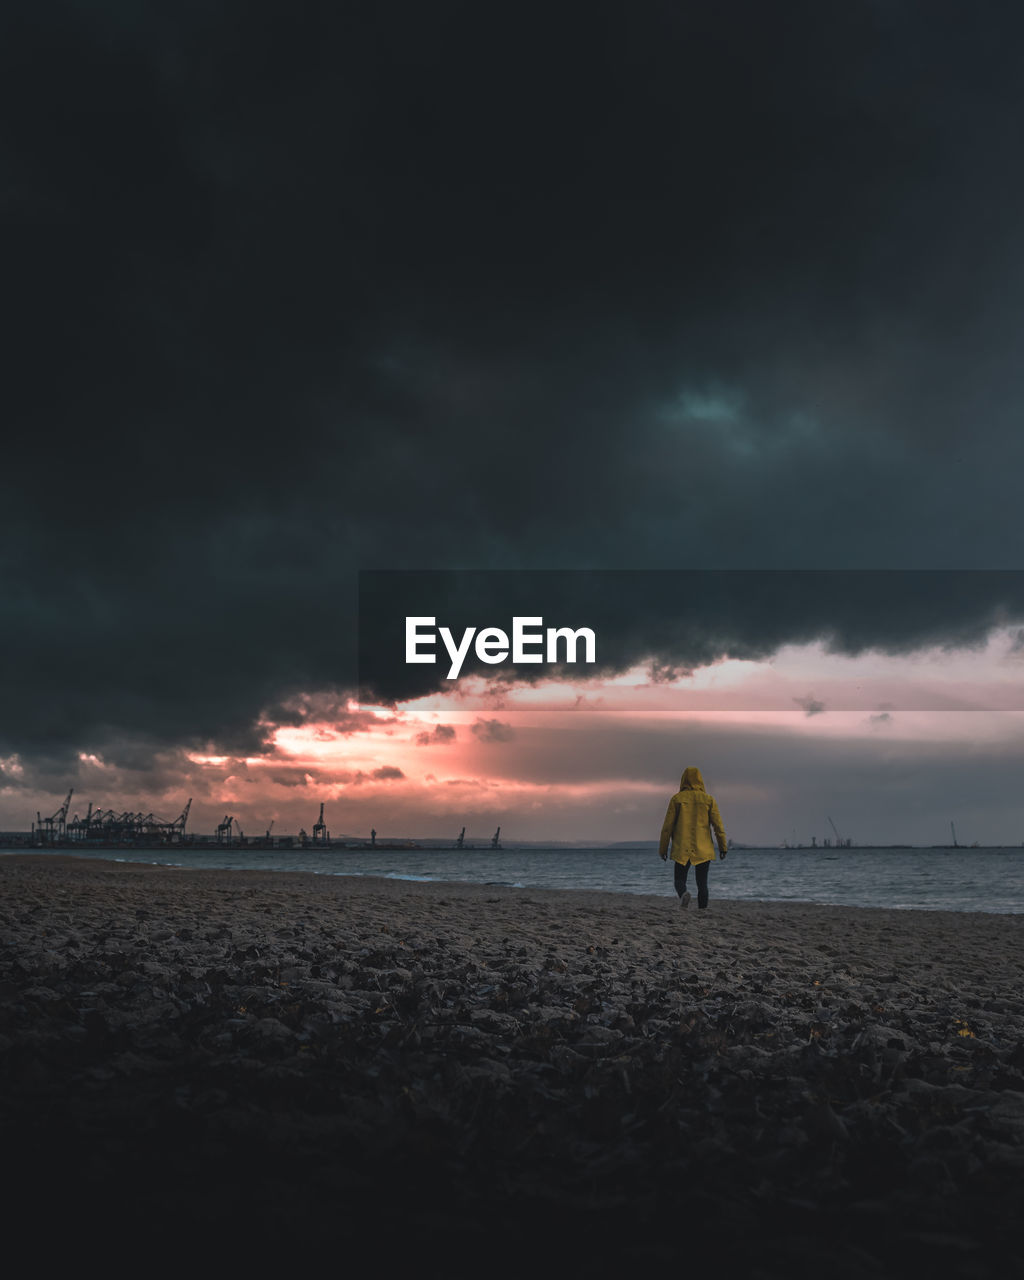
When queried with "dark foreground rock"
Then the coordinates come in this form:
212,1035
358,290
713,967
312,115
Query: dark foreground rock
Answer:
292,1067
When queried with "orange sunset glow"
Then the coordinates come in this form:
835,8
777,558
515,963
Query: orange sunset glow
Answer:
592,759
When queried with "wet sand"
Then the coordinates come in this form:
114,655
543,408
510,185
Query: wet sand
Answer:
490,1079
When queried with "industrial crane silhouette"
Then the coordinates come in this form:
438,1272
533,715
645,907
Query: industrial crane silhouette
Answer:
178,825
840,843
54,827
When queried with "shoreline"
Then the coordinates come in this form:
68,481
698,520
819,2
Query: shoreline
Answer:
66,859
337,1058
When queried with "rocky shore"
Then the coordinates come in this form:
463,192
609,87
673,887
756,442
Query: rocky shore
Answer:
485,1078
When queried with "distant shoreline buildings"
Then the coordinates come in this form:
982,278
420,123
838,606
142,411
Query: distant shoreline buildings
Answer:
110,829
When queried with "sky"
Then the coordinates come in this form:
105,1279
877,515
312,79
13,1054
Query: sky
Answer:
299,291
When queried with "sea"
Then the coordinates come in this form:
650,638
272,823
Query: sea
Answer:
905,879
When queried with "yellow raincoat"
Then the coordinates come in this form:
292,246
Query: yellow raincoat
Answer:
691,815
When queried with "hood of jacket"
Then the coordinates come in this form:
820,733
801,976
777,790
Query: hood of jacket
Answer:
691,780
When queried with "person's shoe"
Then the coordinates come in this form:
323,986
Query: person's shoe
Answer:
684,900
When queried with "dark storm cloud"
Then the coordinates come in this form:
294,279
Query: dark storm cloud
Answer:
300,291
319,707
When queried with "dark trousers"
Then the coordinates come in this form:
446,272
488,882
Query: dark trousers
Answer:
701,872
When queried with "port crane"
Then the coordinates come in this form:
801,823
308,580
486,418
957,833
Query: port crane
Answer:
127,827
320,832
78,828
178,825
839,838
53,828
494,839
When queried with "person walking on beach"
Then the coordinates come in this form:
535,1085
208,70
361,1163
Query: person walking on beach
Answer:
691,815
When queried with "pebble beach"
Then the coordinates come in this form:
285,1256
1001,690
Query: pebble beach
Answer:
486,1077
